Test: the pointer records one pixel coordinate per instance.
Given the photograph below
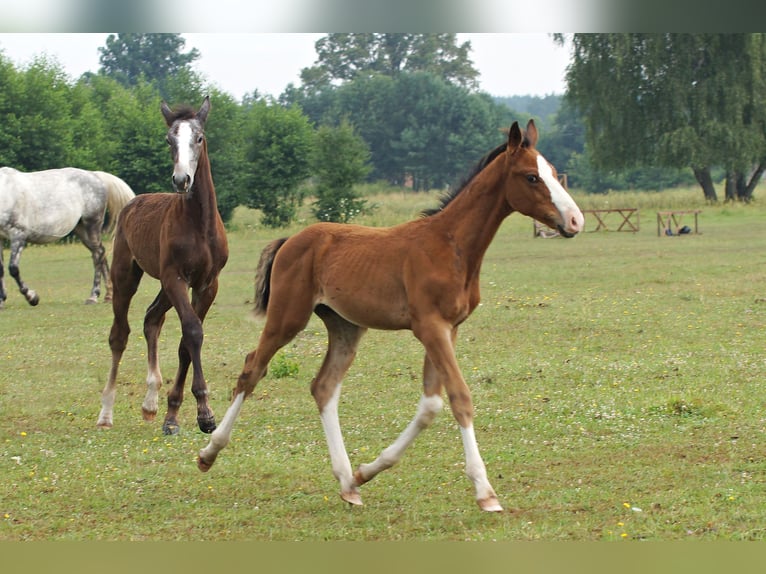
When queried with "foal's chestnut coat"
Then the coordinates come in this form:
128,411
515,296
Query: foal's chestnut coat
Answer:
422,275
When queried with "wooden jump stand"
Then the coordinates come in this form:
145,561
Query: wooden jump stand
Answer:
670,223
629,218
628,221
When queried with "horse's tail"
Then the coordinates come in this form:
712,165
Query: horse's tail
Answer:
263,276
118,194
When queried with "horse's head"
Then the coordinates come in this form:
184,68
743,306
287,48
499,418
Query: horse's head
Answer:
533,186
186,137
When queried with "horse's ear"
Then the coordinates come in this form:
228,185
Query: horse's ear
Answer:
203,110
514,137
531,133
167,113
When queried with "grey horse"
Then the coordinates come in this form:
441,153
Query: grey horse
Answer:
44,206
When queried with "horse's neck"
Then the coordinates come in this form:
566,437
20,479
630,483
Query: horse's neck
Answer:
476,213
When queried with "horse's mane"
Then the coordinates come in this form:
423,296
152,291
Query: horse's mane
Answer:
455,190
183,112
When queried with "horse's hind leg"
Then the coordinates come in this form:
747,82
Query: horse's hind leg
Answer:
281,327
153,321
343,340
17,246
126,276
90,234
3,292
430,405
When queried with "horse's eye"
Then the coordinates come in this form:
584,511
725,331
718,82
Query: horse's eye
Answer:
200,138
532,178
167,139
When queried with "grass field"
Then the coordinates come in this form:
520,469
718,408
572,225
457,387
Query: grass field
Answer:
619,381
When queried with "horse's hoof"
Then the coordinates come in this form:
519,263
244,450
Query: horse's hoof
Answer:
104,425
491,504
33,298
148,416
170,429
202,465
206,425
91,301
352,497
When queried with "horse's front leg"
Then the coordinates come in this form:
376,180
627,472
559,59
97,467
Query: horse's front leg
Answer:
3,293
17,246
191,315
202,300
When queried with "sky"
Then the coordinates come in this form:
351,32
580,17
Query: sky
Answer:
239,63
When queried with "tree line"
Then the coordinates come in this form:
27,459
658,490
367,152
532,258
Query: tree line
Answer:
642,111
423,124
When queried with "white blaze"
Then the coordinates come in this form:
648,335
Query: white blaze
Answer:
559,196
186,163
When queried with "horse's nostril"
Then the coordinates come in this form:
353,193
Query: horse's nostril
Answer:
181,182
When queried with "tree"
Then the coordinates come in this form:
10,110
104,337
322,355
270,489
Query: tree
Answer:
134,147
674,100
344,57
278,150
226,148
37,116
416,125
340,160
157,58
11,93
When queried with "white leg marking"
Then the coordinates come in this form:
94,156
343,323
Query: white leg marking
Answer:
428,408
341,465
222,434
477,472
153,384
107,406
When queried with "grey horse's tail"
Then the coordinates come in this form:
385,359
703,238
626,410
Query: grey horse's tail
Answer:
118,194
263,276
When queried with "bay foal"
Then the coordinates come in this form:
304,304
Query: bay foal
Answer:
422,275
179,239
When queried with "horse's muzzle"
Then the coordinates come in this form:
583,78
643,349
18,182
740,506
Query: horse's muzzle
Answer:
574,222
181,184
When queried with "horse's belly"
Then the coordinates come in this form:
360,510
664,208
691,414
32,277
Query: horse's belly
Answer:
373,313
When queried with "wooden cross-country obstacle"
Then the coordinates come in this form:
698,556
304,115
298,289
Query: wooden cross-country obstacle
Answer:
671,222
627,219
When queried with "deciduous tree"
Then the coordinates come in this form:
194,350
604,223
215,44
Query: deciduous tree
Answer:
128,57
675,100
340,160
345,56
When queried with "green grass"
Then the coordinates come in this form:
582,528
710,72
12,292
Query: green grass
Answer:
618,380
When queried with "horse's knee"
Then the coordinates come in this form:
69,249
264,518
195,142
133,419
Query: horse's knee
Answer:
118,338
192,333
98,255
